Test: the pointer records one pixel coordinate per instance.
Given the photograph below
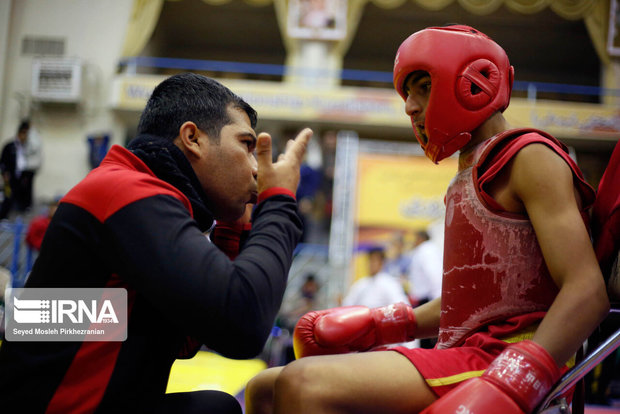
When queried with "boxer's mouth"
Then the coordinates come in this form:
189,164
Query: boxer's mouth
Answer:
421,133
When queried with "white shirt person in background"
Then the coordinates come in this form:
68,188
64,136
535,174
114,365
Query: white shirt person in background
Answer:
425,269
378,288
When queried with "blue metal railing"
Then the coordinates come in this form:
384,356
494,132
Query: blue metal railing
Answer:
532,88
563,88
15,255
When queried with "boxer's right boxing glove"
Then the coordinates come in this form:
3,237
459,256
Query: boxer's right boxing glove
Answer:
352,329
515,383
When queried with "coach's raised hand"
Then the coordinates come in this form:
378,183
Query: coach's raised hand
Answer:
284,172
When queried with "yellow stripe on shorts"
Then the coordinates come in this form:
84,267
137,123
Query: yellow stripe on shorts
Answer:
438,382
528,333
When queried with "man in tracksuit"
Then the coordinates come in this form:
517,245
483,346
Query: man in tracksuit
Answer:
138,221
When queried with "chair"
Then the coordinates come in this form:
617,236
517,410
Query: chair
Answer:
554,403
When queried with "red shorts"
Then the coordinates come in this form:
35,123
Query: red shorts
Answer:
444,369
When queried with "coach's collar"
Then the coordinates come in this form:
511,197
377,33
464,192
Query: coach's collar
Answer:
169,164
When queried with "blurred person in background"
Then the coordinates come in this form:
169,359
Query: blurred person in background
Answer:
311,176
294,307
304,301
397,259
378,288
329,141
139,221
425,269
19,162
425,273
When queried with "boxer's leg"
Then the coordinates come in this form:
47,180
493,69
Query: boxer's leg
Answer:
259,392
360,383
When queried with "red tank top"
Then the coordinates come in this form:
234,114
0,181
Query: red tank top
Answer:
493,265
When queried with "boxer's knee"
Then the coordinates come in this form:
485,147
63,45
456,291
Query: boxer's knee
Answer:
259,392
303,383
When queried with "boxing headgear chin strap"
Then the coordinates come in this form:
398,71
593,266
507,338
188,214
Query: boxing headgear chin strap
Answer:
471,79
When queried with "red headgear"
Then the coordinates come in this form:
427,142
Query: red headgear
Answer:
457,59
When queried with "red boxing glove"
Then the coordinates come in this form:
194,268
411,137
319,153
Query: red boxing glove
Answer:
352,328
229,237
515,382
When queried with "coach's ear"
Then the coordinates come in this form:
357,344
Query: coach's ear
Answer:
189,139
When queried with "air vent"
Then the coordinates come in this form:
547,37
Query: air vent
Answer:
43,46
56,80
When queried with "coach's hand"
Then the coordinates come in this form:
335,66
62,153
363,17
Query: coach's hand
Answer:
285,171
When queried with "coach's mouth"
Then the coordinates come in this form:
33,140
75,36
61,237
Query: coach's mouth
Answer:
253,197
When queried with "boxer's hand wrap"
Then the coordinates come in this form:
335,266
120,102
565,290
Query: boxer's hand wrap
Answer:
515,383
229,237
352,329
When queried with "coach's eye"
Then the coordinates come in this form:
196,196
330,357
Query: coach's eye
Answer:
250,143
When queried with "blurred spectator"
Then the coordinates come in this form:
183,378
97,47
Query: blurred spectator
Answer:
97,148
425,269
425,273
329,140
301,303
309,185
304,301
378,288
38,227
398,260
19,162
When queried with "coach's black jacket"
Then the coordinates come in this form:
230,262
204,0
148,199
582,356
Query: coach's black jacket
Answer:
137,222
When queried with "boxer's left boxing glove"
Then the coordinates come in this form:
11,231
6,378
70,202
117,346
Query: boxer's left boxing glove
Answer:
515,383
352,329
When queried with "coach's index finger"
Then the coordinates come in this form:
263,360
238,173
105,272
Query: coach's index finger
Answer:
263,149
296,149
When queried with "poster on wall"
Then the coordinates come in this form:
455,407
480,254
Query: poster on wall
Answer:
381,189
399,192
613,34
317,19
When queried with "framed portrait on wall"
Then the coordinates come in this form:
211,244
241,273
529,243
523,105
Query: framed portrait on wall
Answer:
317,19
613,34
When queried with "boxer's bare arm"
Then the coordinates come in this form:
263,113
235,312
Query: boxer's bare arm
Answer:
543,182
427,317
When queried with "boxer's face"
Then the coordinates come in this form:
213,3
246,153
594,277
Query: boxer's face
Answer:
418,90
228,168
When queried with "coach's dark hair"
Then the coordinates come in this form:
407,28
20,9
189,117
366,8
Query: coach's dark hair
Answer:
190,97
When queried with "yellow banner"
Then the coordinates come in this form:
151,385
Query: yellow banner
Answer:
401,191
396,194
280,101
